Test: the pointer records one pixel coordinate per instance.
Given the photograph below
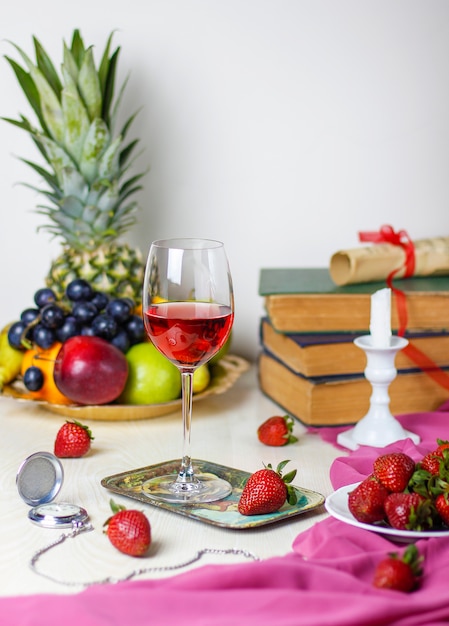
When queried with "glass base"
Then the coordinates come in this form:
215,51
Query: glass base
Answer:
201,488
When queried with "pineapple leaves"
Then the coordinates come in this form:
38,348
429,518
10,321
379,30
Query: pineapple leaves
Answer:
58,157
46,67
108,166
108,88
76,121
89,86
49,178
49,101
86,162
97,140
29,89
77,47
103,69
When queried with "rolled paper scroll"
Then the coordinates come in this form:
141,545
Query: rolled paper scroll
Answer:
375,263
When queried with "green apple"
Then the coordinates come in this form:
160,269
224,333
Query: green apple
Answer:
152,378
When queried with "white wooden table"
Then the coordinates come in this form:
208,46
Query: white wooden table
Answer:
224,431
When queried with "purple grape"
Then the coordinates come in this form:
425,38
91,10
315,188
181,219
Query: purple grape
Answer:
78,290
70,328
87,331
44,296
44,337
15,334
135,329
100,300
33,378
52,316
121,341
120,309
29,315
84,312
104,326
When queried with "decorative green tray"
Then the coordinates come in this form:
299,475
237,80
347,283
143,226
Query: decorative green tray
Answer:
222,513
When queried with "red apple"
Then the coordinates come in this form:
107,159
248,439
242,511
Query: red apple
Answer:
89,370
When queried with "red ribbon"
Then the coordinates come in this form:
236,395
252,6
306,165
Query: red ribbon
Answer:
400,238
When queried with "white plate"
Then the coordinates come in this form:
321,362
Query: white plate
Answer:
337,505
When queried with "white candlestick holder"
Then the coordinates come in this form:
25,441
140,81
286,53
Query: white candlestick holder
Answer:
378,428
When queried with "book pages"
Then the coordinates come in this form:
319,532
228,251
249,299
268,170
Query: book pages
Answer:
375,262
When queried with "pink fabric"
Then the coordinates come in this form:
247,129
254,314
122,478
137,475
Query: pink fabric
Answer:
357,465
325,580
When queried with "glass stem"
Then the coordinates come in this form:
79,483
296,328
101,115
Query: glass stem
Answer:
186,471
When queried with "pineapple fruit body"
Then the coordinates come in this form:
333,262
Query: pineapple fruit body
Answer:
117,270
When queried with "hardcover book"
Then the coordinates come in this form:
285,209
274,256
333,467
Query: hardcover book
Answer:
332,354
307,300
341,400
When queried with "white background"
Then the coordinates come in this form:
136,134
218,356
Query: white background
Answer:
281,127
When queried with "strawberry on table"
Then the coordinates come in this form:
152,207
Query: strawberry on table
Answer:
128,530
72,440
366,501
394,470
399,573
267,490
277,431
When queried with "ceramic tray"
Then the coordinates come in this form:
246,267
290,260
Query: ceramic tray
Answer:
223,513
224,375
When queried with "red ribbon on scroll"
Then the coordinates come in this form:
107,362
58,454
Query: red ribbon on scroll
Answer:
386,234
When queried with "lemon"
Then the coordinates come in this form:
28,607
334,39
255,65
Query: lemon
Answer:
152,378
201,378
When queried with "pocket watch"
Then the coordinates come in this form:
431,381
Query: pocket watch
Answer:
39,480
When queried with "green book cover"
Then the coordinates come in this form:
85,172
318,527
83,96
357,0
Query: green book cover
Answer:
277,281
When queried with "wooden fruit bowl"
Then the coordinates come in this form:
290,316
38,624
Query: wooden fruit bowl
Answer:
224,375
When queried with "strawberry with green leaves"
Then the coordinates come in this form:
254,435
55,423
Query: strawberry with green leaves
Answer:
128,530
72,440
276,431
366,501
394,470
267,490
442,507
399,573
409,511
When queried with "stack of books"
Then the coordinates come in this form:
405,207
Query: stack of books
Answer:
309,364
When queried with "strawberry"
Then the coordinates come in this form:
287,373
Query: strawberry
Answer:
442,446
366,501
267,490
128,530
400,574
72,440
394,470
276,431
431,463
408,511
442,507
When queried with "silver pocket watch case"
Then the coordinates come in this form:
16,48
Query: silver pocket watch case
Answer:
39,480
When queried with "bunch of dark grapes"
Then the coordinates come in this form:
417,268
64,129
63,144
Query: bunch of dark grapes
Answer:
84,311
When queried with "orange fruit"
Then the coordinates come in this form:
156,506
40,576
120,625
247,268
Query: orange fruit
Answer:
45,361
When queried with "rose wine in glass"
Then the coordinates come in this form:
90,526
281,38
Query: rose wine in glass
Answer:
188,307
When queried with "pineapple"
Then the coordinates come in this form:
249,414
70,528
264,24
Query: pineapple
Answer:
88,204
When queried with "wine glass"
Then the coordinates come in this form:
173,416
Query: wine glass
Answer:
188,311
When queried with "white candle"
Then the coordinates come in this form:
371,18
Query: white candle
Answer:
380,324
